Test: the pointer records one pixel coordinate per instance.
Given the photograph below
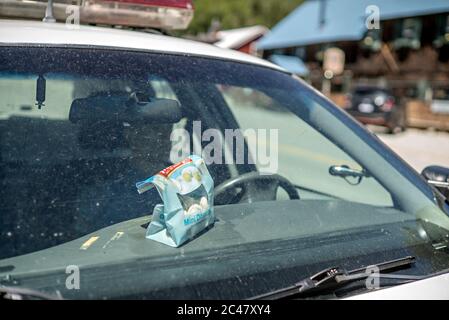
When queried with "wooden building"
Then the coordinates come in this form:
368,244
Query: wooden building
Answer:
401,44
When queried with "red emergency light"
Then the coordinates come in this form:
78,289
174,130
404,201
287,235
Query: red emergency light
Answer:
184,4
157,14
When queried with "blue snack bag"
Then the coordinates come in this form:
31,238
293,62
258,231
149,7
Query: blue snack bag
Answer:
187,192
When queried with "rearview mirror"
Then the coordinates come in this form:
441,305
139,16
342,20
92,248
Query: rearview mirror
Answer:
438,177
125,108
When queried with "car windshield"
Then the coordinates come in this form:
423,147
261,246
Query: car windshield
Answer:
70,159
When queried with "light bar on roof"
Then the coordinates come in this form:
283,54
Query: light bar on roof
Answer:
184,4
158,14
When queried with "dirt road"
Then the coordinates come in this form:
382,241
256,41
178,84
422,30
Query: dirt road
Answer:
419,148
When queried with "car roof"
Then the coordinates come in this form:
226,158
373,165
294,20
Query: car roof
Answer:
36,32
370,88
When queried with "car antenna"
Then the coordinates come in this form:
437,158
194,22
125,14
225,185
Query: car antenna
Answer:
49,12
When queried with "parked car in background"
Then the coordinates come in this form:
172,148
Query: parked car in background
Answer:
440,101
378,106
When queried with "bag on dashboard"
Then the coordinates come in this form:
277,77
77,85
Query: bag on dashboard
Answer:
186,189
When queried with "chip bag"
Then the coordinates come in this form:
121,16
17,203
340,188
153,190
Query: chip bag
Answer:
187,192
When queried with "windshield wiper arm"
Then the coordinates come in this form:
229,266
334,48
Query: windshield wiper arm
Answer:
18,293
336,277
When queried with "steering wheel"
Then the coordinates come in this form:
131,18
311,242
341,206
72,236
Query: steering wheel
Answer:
254,187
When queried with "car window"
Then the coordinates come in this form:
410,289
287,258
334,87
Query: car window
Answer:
441,94
364,91
304,155
66,168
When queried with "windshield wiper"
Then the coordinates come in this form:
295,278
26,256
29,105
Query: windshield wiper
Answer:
334,278
18,293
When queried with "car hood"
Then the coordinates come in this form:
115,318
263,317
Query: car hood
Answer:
433,288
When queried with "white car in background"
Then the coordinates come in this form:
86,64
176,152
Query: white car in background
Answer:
440,101
74,140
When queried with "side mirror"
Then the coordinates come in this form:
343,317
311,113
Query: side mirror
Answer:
438,177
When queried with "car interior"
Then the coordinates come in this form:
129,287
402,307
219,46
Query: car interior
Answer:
81,167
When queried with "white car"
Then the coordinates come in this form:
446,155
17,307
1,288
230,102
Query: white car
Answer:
300,186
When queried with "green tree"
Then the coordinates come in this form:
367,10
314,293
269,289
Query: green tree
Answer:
239,13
